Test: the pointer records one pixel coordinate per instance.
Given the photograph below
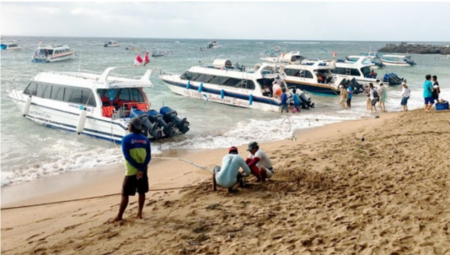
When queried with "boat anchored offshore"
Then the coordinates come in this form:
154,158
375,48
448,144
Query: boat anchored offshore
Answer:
10,45
97,105
52,53
111,44
230,84
397,60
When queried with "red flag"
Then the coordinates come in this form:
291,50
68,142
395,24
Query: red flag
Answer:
334,54
138,60
39,42
146,58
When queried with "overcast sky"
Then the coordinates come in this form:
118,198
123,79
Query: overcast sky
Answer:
335,20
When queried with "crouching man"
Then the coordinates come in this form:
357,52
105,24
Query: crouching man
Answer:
229,175
259,163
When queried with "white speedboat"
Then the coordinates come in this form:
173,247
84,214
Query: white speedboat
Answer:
311,75
358,67
230,84
285,58
111,44
97,105
52,53
10,45
397,60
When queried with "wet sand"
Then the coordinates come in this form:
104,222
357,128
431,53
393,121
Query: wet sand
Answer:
333,193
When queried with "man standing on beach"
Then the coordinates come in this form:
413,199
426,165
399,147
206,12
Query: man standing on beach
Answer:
427,93
137,153
259,163
229,175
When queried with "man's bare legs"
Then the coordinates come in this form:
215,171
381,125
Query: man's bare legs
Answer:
123,206
141,205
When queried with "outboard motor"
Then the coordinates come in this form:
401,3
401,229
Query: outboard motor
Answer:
305,100
148,128
171,117
357,88
392,79
158,119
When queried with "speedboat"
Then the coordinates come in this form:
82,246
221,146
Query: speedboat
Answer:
375,57
52,53
111,44
97,105
285,58
10,45
131,47
225,83
161,53
213,45
314,76
397,60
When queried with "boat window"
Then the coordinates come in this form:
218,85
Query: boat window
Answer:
124,94
218,80
131,94
50,52
58,93
79,96
365,71
186,75
31,89
292,72
250,84
339,70
305,74
232,82
203,78
354,72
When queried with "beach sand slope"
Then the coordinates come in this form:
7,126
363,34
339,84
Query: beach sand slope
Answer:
374,186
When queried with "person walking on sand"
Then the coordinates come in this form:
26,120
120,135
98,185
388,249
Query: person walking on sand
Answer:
137,153
405,96
382,94
428,93
229,175
259,162
373,98
367,92
436,89
343,96
297,103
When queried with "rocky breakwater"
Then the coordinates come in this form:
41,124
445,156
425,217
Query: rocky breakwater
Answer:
416,48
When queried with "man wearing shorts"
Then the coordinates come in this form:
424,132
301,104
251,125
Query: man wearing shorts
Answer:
259,163
137,153
428,93
229,175
373,98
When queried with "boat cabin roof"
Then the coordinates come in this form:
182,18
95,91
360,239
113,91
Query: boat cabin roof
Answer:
222,63
53,47
94,81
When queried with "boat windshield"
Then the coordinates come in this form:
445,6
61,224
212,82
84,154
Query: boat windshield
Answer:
119,97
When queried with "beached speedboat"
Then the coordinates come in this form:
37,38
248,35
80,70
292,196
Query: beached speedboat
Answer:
97,105
314,76
52,53
111,44
10,45
397,60
230,84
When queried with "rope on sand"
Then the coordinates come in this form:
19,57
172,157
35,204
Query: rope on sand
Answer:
115,194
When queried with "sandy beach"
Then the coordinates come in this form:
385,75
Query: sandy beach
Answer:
371,186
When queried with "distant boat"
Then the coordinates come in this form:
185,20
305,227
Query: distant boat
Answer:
397,60
52,53
111,44
133,48
10,45
161,53
213,45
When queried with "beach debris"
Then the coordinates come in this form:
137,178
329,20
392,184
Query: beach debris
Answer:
213,206
362,139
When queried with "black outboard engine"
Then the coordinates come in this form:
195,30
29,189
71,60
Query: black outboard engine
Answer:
357,88
171,117
392,79
148,128
158,119
305,100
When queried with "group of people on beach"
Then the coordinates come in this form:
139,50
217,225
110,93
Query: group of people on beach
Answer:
431,91
234,168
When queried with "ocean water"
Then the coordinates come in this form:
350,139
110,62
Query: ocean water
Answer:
30,150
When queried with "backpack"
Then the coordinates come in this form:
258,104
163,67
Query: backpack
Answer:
375,94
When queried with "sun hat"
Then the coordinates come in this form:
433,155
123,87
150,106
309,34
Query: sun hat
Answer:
136,123
403,83
252,145
233,148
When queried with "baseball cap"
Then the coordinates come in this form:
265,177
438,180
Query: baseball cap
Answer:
252,145
136,123
233,148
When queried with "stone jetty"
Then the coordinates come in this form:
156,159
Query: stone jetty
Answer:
404,47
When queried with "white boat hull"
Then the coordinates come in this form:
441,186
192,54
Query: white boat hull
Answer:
387,63
213,97
65,116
